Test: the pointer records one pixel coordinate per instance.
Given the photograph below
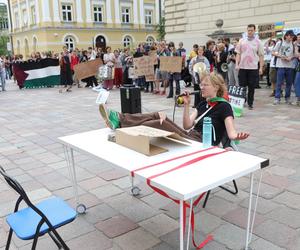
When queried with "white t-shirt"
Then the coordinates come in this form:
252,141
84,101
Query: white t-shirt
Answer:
286,49
109,58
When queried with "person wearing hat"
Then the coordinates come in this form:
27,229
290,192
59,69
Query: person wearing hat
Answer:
284,51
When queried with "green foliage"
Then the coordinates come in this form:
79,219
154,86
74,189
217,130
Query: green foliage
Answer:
161,29
3,45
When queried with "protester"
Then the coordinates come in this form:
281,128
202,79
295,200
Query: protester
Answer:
284,51
221,60
273,69
250,52
232,72
214,106
65,71
210,54
118,69
2,73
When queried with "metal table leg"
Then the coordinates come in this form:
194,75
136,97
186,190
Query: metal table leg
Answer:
181,231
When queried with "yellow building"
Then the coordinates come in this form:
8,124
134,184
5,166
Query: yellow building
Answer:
48,25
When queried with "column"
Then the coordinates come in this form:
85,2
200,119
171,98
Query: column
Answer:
117,11
88,11
37,11
157,11
108,12
56,11
28,13
135,12
142,14
46,11
79,11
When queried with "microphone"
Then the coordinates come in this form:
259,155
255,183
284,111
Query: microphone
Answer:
192,93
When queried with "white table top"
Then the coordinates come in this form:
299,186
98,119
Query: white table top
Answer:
183,183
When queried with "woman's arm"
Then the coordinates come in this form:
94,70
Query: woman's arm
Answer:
231,132
188,120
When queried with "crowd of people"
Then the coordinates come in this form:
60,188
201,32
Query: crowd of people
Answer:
240,61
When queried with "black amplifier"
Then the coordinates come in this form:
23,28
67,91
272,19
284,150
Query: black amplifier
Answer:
130,99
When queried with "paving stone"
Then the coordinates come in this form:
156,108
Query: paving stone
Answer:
92,241
92,183
275,232
68,192
206,222
116,226
123,183
266,191
234,198
138,239
89,200
294,188
218,206
287,216
289,199
239,217
54,181
281,171
160,224
156,200
162,246
38,194
278,181
261,244
113,174
99,213
106,191
231,236
263,206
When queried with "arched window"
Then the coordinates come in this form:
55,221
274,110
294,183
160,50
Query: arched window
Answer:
150,40
127,41
26,48
70,42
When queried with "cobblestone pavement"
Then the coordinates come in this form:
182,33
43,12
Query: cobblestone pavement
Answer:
32,119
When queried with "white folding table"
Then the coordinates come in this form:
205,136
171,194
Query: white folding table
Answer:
185,183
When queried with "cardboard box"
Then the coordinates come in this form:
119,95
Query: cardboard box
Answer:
139,139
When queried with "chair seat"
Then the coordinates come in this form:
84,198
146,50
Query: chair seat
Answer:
25,221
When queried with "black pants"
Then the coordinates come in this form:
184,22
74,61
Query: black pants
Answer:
268,74
249,78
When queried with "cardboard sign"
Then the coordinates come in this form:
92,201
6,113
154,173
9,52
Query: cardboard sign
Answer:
87,69
171,64
102,96
150,78
237,96
139,139
131,73
143,66
153,57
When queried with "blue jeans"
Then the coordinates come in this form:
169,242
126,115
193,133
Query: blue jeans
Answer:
287,74
2,79
297,84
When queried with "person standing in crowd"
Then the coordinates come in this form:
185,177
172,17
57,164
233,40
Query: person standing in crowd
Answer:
7,62
2,73
196,77
100,53
228,45
273,69
221,60
109,60
161,75
127,63
250,52
284,51
65,71
297,69
92,53
74,61
140,52
118,69
88,80
232,73
173,76
210,54
268,47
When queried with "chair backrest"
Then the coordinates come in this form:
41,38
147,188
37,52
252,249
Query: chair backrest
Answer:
16,186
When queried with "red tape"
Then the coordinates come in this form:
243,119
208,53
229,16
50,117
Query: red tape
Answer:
172,159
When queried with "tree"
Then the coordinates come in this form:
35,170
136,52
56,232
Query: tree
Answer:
161,29
3,44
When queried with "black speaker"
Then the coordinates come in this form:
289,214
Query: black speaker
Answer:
130,99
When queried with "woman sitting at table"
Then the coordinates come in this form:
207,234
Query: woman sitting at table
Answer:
215,106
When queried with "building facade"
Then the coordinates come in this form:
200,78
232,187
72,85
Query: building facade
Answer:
48,25
195,20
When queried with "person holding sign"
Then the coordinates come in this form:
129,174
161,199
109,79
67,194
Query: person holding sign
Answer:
214,106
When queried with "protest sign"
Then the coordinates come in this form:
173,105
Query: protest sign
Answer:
171,63
143,66
153,57
87,69
237,96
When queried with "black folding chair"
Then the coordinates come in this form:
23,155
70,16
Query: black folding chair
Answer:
226,142
37,220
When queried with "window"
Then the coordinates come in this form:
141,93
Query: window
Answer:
33,15
148,16
69,42
67,12
17,24
125,15
150,40
127,41
98,13
25,17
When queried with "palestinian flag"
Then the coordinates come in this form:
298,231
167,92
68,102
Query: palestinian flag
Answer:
36,74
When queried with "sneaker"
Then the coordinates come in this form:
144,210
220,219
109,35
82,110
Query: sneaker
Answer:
288,101
110,117
276,102
250,107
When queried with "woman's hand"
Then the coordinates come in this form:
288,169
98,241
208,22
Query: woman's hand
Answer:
186,97
241,136
162,117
